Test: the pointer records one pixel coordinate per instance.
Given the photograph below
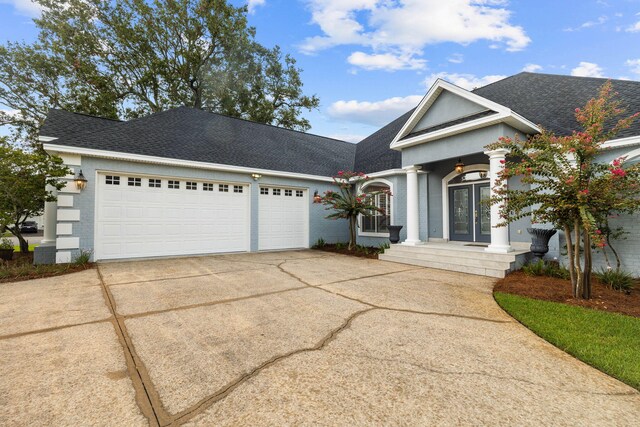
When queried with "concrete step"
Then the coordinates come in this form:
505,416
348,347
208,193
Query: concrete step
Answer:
457,252
481,271
479,260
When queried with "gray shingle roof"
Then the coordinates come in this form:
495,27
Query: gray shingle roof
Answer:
373,153
550,100
191,134
61,123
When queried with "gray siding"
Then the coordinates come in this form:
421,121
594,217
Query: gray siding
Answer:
447,107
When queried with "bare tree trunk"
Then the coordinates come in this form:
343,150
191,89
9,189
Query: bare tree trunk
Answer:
572,271
352,232
615,253
577,289
586,287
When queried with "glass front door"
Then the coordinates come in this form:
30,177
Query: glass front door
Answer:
470,213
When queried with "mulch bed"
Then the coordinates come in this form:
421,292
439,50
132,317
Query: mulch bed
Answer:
373,252
21,268
559,290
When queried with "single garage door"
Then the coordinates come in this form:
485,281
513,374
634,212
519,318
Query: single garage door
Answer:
283,218
140,216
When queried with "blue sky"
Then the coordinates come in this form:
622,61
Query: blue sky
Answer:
371,60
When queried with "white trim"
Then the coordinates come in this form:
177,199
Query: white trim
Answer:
46,138
53,148
632,154
391,207
388,172
621,142
445,194
504,114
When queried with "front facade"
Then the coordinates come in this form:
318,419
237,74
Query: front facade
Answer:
188,182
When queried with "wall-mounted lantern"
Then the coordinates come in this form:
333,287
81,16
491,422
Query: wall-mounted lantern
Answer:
256,176
316,197
81,181
459,166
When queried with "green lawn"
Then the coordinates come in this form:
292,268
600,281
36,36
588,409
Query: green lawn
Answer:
31,248
607,341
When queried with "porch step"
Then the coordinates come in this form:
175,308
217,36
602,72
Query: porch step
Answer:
452,257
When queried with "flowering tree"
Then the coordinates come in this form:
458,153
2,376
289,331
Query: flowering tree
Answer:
350,201
567,187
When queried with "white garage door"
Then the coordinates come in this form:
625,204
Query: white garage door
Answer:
284,218
154,216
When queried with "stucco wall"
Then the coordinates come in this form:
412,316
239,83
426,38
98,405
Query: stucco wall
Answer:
319,227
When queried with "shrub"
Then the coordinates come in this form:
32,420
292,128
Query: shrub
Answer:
82,258
6,243
383,246
544,268
619,280
319,244
340,245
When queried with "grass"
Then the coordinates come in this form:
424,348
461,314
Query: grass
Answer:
609,342
31,248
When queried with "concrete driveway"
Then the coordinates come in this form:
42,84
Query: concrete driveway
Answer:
284,338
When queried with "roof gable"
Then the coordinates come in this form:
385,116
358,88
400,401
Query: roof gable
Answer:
475,112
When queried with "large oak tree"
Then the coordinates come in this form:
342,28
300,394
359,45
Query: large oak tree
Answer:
130,58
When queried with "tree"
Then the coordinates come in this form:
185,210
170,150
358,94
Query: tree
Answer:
24,177
130,58
567,187
350,201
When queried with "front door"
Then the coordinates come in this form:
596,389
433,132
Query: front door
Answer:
469,213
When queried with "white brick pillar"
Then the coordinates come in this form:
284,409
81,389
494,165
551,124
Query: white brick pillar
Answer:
50,218
413,213
499,235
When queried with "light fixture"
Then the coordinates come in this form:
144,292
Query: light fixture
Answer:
316,197
256,176
483,175
459,166
81,181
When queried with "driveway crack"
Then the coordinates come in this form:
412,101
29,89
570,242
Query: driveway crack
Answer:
207,402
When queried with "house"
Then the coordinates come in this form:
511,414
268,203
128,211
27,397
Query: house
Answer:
186,181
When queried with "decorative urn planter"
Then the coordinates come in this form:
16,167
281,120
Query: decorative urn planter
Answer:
394,233
540,241
6,254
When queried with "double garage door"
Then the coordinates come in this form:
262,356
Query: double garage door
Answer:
141,216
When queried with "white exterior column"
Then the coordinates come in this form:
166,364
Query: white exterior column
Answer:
413,213
50,218
499,235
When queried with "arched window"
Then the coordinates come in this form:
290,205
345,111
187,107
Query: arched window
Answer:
378,221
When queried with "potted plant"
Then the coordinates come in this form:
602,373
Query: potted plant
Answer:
6,249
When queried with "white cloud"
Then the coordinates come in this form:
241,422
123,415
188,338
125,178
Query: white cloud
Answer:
634,64
532,68
253,4
601,20
456,58
25,7
633,28
386,61
377,113
466,81
587,69
406,27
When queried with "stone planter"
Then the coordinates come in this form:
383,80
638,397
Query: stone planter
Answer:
394,233
540,241
6,254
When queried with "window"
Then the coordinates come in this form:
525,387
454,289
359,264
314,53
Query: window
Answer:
276,191
135,182
192,185
299,193
378,221
288,192
223,188
237,189
113,180
155,183
174,184
207,186
264,190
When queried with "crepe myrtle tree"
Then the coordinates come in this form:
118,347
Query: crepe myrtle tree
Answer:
567,187
349,200
24,177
